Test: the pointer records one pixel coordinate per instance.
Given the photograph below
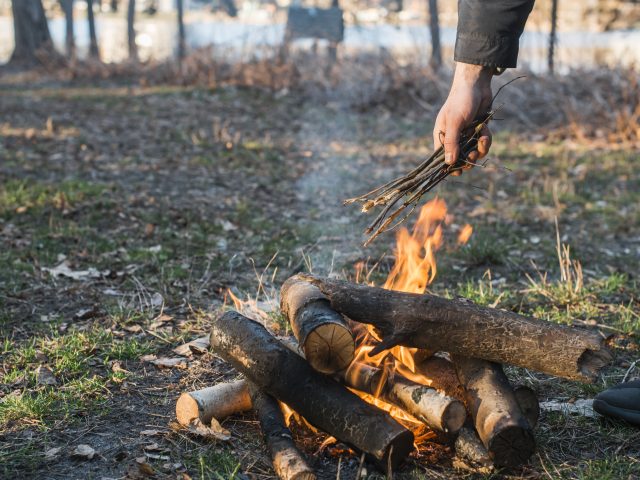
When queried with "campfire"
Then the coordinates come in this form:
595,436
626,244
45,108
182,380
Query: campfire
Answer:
386,370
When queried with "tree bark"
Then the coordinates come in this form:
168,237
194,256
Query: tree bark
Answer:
31,32
500,414
218,401
434,29
322,401
436,410
70,41
505,432
181,35
552,35
461,327
288,462
131,32
323,334
94,51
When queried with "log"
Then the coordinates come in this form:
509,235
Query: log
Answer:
439,373
436,410
505,432
323,334
471,454
288,462
321,400
218,401
461,327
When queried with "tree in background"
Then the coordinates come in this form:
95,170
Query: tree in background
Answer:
181,36
552,35
114,6
131,33
70,42
94,51
32,37
434,28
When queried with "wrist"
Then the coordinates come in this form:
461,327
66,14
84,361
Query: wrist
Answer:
468,73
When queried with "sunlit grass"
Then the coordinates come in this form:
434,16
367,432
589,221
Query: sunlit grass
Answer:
80,362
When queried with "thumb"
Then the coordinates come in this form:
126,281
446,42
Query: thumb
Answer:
451,140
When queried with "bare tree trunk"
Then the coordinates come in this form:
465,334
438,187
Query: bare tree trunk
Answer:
552,35
181,41
70,42
434,28
94,51
131,33
31,32
114,6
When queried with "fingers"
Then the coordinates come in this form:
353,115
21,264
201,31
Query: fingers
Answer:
484,142
451,140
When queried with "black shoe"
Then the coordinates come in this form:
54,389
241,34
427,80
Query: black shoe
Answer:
621,401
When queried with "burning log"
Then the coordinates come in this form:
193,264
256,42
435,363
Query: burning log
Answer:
435,409
325,337
288,462
461,327
504,430
322,401
217,402
503,417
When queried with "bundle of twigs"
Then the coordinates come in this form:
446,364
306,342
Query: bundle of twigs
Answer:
422,179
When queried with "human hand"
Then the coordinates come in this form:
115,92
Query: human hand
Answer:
470,96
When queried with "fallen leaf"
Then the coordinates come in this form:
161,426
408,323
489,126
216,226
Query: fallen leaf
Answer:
152,446
44,376
63,270
84,451
199,346
215,431
164,362
150,433
148,358
52,453
133,328
86,313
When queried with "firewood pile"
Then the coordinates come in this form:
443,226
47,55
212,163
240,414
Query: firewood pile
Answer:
464,396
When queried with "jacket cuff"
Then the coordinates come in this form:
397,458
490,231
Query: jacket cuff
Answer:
480,49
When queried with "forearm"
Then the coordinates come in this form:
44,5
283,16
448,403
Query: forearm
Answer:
489,31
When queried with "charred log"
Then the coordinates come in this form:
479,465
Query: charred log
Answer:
323,334
288,462
322,401
461,327
504,430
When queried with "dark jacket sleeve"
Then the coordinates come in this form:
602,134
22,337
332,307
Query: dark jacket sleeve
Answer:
489,31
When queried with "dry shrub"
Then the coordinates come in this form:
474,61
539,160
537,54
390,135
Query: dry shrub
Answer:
600,106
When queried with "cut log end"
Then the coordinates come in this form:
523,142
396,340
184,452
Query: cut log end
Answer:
513,445
187,409
591,362
329,348
453,417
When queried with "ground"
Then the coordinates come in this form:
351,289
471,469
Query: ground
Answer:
159,199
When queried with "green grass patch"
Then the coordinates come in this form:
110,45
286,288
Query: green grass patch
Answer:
18,196
80,363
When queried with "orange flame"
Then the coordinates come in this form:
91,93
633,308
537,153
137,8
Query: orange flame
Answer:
415,266
413,271
465,234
